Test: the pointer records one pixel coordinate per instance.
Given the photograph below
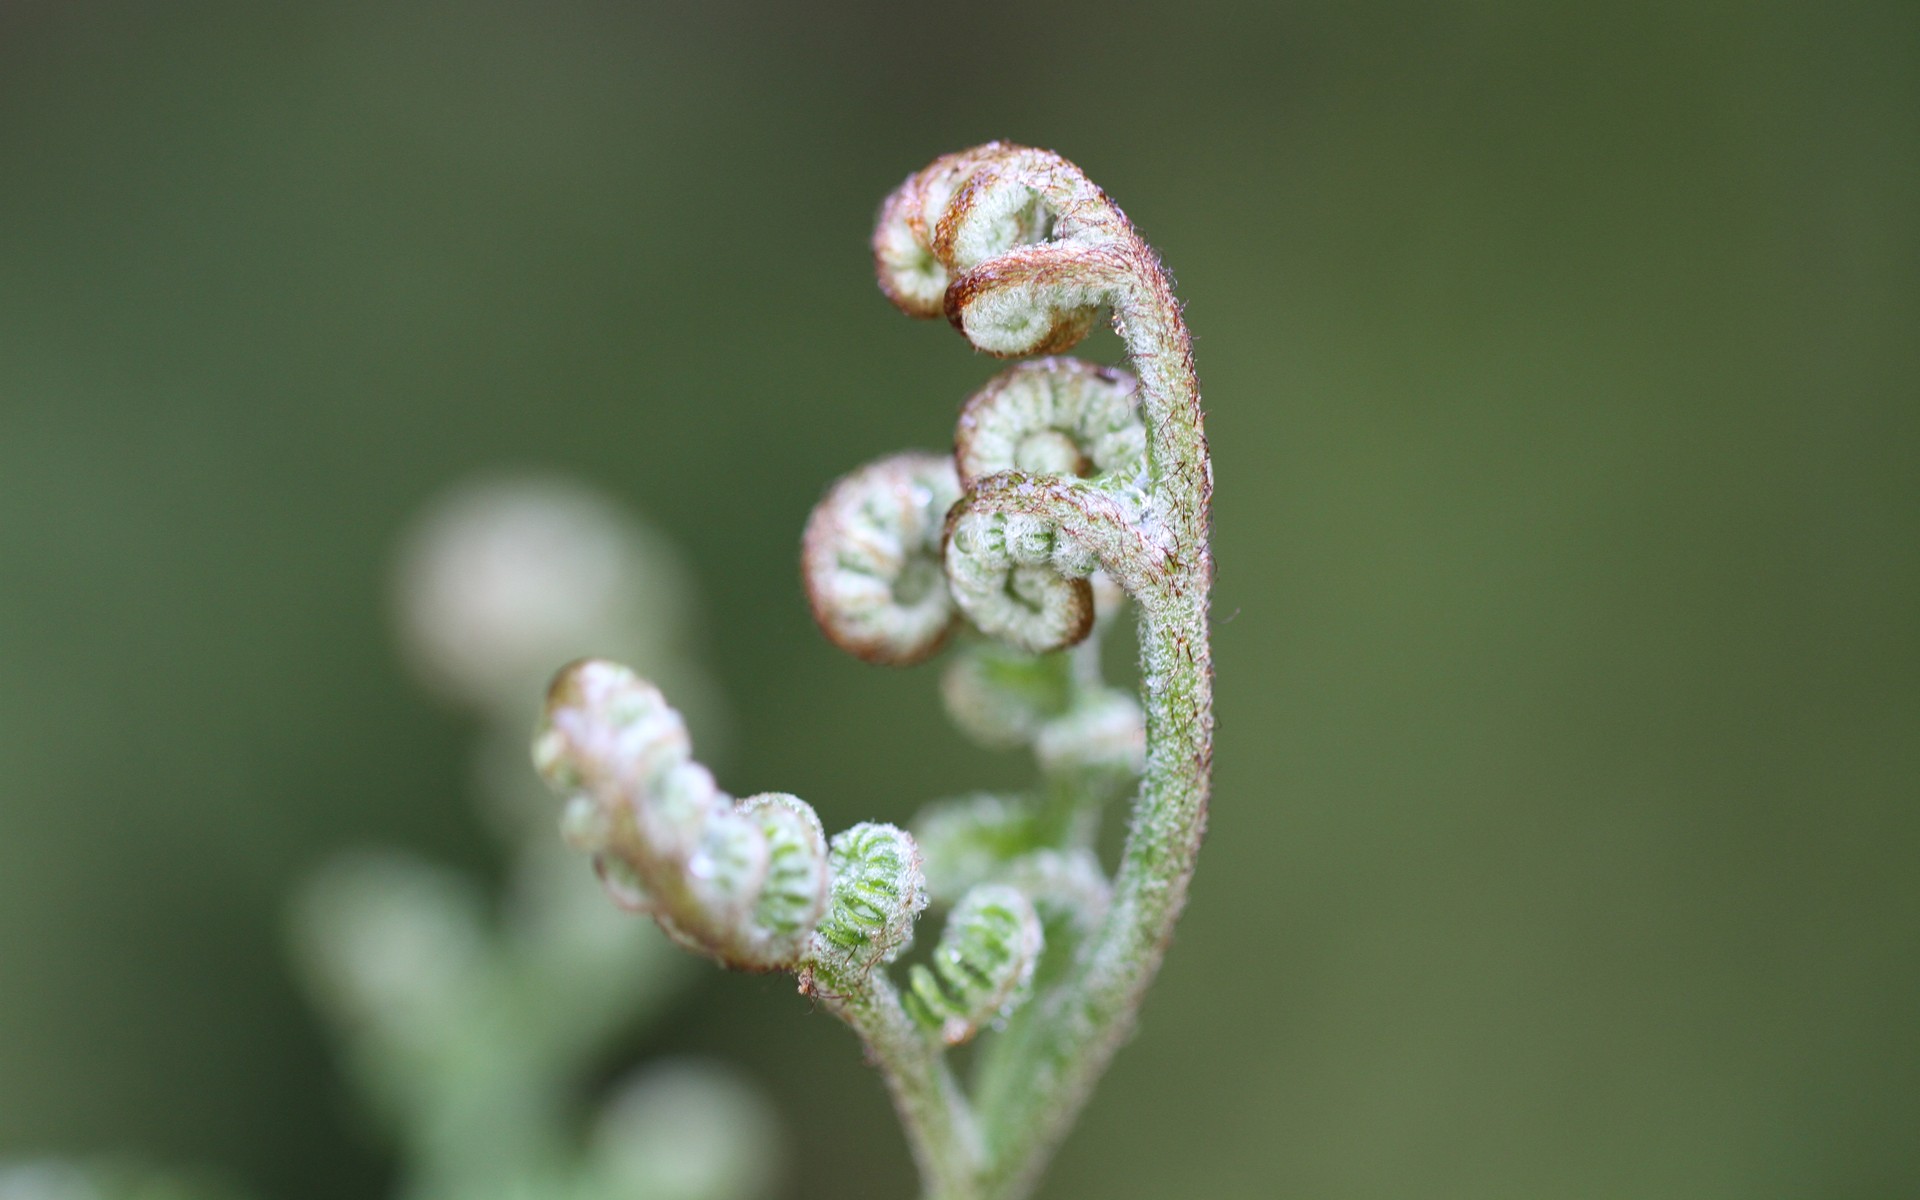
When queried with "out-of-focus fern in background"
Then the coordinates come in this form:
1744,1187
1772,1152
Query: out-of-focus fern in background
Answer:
1561,377
476,1030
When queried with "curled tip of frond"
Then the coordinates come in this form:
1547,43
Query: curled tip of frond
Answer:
876,892
1006,241
910,271
983,966
1053,416
870,558
1042,299
1019,579
743,883
794,896
601,716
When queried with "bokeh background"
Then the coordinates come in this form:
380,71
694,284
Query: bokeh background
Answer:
1563,371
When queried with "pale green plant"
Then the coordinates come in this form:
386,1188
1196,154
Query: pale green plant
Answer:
1070,485
473,1033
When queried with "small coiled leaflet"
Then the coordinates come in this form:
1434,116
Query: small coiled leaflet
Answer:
982,967
878,891
744,883
789,902
1014,574
870,559
1053,416
1020,549
1018,580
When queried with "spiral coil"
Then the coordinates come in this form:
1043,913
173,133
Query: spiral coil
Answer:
744,883
878,891
1053,416
870,559
982,967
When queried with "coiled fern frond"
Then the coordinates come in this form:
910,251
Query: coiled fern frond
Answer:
1072,486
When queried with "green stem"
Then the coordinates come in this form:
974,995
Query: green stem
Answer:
940,1126
1085,1020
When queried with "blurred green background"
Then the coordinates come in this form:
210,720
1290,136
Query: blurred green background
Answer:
1563,366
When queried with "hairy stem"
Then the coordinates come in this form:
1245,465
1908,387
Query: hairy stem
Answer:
940,1126
1085,1020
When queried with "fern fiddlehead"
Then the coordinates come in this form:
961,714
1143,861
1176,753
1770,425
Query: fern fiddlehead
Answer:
1069,485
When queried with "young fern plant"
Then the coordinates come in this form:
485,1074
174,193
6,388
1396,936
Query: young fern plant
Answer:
1071,486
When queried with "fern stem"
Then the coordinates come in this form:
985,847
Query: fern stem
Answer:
1091,1013
939,1124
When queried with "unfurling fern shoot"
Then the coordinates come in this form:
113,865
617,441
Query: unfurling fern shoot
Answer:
1072,487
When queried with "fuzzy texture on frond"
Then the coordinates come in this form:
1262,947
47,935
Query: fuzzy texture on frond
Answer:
870,559
1071,485
983,966
742,883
